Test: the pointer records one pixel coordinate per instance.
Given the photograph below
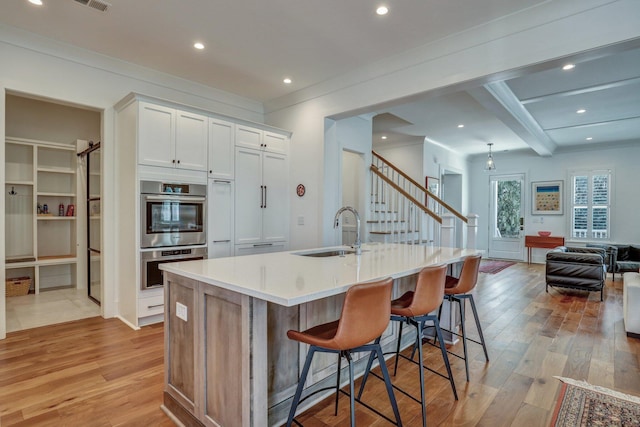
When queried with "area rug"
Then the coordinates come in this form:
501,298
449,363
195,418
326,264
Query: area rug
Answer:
494,266
582,404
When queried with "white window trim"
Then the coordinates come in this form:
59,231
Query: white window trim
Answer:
569,198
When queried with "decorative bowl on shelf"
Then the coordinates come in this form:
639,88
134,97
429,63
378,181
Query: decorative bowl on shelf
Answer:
544,233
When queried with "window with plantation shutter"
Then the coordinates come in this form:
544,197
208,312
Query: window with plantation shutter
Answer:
591,204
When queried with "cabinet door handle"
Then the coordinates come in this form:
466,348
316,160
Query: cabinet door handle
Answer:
222,181
265,196
262,244
178,161
173,161
221,241
154,306
261,196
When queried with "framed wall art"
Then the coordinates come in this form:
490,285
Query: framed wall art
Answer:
547,198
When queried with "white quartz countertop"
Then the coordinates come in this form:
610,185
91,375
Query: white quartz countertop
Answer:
288,279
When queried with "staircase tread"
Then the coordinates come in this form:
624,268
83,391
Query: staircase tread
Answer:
392,232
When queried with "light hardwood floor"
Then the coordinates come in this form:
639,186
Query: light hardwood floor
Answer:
97,372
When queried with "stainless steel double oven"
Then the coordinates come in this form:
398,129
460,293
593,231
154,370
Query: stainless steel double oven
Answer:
172,222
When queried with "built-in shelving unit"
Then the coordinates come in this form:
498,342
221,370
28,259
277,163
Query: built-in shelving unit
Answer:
41,243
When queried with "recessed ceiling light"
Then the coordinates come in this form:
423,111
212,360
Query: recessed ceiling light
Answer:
589,138
460,126
569,67
383,137
36,2
581,111
287,81
198,45
382,10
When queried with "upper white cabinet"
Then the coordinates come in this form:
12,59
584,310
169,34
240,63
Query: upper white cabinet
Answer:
171,138
191,141
275,142
221,149
261,140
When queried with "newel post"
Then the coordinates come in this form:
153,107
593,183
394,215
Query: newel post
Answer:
472,230
448,231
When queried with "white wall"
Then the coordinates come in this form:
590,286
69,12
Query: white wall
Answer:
625,203
353,193
353,135
46,121
407,157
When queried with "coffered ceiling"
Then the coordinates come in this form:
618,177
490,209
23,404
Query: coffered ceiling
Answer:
537,110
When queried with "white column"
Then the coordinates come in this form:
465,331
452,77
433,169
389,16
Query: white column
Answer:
448,233
472,230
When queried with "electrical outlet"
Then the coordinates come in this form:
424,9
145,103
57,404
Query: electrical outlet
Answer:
300,220
181,311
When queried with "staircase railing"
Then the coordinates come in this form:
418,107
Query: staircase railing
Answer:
400,205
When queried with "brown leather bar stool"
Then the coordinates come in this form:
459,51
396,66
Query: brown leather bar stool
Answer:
364,317
458,289
414,308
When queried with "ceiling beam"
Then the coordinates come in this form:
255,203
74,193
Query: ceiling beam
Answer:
498,98
589,89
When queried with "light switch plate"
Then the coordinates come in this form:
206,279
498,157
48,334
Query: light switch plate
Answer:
181,311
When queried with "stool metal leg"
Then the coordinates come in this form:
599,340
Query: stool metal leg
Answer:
338,382
301,381
352,391
421,369
365,376
475,315
395,367
387,382
462,305
445,357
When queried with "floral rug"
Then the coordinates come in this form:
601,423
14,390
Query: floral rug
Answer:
585,405
494,266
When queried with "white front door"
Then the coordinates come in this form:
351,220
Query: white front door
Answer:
506,237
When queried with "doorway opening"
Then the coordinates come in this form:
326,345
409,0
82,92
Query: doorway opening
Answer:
353,184
506,240
45,215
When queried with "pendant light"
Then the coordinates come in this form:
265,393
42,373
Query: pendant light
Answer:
490,166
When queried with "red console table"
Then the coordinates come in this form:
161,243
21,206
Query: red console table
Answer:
548,242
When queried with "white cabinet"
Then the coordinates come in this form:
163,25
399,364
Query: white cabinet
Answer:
275,142
262,204
171,138
221,149
260,248
191,141
220,218
261,140
151,304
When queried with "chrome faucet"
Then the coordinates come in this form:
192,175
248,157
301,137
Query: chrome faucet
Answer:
336,222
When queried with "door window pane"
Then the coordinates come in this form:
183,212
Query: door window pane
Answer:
508,209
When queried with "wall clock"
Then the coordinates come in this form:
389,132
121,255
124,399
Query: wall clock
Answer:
300,190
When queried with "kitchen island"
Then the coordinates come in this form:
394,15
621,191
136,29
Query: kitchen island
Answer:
228,361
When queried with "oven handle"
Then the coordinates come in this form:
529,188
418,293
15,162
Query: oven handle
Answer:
175,199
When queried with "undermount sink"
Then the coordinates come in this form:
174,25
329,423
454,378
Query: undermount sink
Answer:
327,253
